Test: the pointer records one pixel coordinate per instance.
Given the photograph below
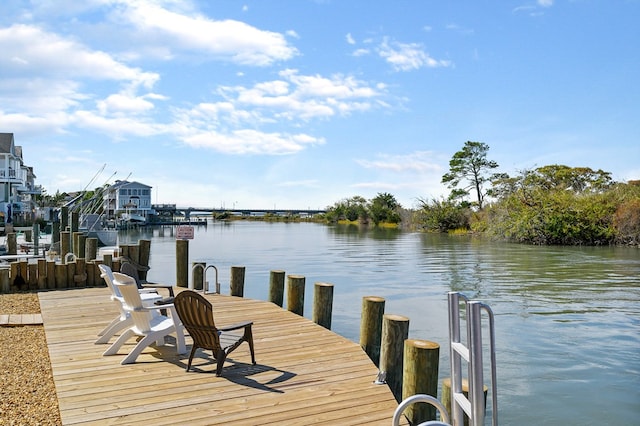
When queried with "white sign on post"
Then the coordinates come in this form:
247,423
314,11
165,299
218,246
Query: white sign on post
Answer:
184,232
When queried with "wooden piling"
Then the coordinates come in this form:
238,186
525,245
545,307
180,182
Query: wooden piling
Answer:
36,239
14,267
107,259
65,245
33,276
395,330
295,294
124,250
61,275
82,245
237,281
80,277
145,255
134,253
322,304
5,282
182,263
197,274
446,396
76,244
51,274
12,244
71,272
91,249
93,274
74,222
420,376
55,233
24,269
64,218
276,287
371,327
42,274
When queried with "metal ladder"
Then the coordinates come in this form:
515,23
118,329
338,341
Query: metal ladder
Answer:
205,284
474,405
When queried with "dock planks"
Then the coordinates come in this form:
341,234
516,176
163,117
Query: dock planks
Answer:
305,373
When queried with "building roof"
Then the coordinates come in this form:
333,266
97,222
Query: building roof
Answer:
125,183
6,143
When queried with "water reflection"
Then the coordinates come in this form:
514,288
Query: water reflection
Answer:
567,318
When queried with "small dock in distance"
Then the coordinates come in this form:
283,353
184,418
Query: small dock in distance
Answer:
304,375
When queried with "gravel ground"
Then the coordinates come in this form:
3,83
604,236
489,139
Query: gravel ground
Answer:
27,394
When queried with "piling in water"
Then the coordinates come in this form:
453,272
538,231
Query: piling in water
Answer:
295,294
420,376
371,327
323,304
237,281
182,263
276,287
395,330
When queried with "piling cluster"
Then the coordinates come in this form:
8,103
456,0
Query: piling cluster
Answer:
73,270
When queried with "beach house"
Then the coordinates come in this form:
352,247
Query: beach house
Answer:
17,183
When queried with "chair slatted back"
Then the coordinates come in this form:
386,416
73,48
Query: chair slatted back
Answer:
128,269
132,301
107,274
196,314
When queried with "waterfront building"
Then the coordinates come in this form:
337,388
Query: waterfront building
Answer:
17,183
128,201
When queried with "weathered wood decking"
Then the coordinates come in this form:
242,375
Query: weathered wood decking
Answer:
305,374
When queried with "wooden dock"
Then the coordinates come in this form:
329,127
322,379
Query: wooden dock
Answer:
304,375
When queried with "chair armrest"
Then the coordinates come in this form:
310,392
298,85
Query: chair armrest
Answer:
148,285
236,326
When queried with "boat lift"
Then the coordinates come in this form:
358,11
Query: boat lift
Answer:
471,352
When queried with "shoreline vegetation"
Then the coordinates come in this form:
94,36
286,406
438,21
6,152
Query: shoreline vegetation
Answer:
549,205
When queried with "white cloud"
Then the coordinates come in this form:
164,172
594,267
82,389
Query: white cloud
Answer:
29,50
117,127
457,28
417,162
408,56
303,97
350,39
248,141
124,103
545,3
227,39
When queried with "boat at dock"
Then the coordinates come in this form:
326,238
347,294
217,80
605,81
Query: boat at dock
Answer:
95,227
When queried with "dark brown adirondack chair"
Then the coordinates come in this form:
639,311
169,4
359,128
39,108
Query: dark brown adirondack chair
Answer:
128,268
196,314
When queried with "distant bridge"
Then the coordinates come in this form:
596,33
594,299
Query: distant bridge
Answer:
188,211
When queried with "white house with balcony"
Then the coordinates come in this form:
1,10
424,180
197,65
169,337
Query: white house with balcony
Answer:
129,201
17,183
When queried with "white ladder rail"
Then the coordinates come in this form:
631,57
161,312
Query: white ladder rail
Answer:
474,405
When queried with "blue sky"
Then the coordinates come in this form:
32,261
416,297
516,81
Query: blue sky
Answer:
301,103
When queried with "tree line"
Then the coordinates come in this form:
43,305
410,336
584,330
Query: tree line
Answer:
553,204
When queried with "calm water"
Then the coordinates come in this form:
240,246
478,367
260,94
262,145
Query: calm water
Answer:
567,318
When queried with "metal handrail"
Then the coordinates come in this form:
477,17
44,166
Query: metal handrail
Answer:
444,416
205,283
474,405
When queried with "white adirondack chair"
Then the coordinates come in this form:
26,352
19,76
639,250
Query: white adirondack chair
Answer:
123,320
150,328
